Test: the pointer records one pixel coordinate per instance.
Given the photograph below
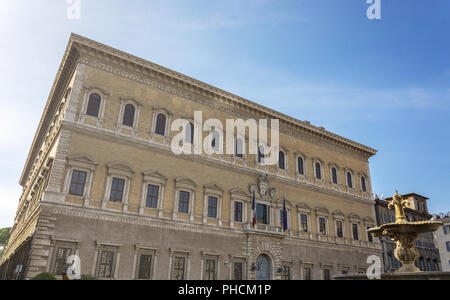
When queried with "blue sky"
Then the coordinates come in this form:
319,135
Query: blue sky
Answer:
384,83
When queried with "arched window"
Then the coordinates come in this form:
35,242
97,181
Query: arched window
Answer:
189,138
161,125
300,167
334,175
318,171
281,160
363,184
215,141
260,154
128,115
239,148
93,107
349,180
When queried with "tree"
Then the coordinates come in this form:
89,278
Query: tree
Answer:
4,237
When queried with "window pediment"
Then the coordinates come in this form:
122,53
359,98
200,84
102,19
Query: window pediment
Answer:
213,187
239,194
280,202
151,174
354,217
185,181
337,214
304,207
369,221
120,168
322,211
82,159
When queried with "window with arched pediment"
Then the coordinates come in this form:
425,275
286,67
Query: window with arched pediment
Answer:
349,179
281,161
318,170
189,137
300,165
363,184
128,115
161,120
334,176
239,148
93,107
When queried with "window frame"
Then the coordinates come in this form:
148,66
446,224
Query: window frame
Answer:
215,191
179,253
120,171
84,164
83,116
124,102
243,262
145,250
62,244
102,246
209,257
152,177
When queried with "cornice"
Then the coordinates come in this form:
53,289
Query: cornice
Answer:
154,146
148,68
65,71
80,46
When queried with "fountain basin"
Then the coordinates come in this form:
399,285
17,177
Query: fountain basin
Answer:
404,233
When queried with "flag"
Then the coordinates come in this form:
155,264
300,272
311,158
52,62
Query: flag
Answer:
254,210
285,224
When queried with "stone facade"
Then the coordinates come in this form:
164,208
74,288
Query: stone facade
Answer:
136,238
417,210
442,240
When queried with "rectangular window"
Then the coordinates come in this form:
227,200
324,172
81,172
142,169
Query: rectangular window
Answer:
60,265
178,268
77,183
355,232
446,229
384,218
339,229
152,196
322,226
238,270
326,274
106,264
369,235
304,223
262,214
117,187
448,246
212,207
210,269
286,273
145,267
183,205
307,275
238,212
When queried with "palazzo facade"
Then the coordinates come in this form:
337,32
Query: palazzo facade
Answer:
101,182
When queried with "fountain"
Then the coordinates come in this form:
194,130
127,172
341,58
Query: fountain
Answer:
404,234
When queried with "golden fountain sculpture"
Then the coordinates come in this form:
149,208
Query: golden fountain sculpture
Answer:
404,233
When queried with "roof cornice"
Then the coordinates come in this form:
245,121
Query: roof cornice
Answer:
65,71
77,44
214,91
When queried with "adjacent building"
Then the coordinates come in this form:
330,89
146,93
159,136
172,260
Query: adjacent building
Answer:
442,240
101,182
416,210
